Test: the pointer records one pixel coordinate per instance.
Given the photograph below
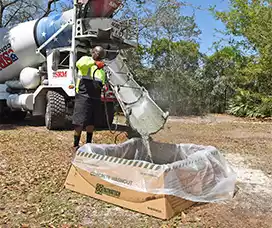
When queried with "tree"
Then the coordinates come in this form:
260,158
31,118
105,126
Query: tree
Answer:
159,19
167,60
176,84
251,20
16,11
222,74
13,12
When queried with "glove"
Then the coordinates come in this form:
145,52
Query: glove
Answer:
99,64
105,88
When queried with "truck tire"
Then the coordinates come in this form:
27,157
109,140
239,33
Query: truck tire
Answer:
55,111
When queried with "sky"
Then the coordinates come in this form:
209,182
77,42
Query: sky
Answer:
206,22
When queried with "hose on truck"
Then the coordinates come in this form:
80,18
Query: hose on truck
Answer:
105,105
107,116
108,122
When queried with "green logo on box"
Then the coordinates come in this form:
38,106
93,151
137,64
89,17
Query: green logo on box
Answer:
101,189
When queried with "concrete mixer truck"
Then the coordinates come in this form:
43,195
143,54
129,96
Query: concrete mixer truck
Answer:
27,81
38,73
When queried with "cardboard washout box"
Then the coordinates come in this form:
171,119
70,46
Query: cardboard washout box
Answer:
181,175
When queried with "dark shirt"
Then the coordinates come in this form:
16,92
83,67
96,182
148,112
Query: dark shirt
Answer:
90,88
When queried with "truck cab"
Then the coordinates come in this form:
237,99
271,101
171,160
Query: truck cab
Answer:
54,99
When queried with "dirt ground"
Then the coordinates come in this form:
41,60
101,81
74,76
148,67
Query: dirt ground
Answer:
34,163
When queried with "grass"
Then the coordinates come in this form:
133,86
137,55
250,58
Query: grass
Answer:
34,164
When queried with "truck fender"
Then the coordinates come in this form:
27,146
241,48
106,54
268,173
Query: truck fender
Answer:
39,99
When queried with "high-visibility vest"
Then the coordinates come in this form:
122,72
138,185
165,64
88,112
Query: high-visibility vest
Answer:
87,69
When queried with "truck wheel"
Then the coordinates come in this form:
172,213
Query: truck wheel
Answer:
55,111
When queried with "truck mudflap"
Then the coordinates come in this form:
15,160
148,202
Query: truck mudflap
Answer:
142,113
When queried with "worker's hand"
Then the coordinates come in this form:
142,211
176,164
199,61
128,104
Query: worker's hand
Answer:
99,64
104,88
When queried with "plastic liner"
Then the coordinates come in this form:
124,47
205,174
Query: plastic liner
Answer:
193,172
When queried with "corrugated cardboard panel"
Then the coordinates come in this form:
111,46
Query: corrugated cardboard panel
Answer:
159,206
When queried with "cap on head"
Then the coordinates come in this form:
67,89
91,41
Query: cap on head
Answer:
98,53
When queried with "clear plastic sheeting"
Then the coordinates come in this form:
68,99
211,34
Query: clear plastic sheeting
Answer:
193,172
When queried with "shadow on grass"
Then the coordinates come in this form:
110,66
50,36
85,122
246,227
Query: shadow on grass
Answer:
9,124
32,121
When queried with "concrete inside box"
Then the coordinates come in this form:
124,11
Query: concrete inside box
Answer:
135,149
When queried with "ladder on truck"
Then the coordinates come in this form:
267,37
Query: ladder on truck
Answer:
142,113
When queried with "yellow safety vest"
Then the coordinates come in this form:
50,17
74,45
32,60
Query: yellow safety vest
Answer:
88,69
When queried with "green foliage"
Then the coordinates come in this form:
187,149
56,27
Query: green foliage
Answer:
169,64
222,73
174,67
167,59
160,19
168,54
251,20
247,103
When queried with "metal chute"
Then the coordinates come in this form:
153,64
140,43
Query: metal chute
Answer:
142,113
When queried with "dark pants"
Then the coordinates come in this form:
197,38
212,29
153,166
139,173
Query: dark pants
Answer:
86,110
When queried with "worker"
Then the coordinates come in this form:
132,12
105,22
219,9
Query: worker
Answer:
89,85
